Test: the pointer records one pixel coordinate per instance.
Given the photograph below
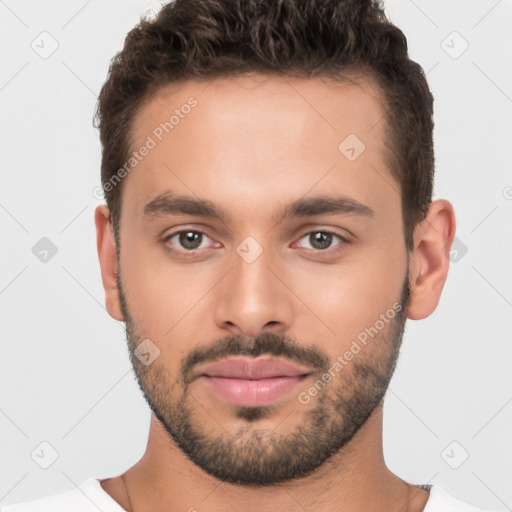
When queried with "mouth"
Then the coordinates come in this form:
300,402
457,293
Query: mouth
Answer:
251,392
251,382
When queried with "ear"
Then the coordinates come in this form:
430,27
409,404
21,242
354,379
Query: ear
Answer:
430,259
108,261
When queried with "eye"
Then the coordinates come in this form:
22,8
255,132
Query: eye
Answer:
188,240
320,240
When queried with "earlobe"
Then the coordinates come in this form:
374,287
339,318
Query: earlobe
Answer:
430,259
108,261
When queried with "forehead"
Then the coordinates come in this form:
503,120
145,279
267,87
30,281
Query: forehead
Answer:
258,100
258,137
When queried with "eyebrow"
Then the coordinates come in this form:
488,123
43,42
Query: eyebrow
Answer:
323,205
170,204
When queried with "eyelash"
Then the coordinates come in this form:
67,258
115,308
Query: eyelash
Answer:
194,252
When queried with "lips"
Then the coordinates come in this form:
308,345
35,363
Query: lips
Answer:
252,369
251,382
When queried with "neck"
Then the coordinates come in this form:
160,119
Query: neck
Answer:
354,479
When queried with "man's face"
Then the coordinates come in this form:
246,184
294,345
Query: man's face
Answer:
282,274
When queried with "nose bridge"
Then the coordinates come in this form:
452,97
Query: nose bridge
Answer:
251,297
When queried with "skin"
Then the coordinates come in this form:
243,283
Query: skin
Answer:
252,145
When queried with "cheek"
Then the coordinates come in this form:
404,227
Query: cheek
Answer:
350,297
164,297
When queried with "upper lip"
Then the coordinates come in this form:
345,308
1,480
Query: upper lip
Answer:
251,368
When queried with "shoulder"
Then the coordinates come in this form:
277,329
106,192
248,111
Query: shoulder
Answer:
88,497
441,501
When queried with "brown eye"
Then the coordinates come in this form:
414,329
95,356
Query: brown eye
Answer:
188,240
320,240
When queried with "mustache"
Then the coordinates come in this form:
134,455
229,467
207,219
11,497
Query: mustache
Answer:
267,343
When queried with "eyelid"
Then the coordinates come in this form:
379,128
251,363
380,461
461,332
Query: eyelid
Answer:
175,250
344,240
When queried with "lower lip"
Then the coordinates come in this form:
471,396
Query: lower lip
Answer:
251,393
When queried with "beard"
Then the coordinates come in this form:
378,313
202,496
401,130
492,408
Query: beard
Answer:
254,457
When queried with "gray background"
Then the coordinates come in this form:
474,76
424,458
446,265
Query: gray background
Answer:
66,376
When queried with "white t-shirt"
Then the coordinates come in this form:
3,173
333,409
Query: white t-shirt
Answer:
91,497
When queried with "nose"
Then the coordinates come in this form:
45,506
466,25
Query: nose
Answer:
253,297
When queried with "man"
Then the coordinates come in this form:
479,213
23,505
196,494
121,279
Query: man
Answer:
269,227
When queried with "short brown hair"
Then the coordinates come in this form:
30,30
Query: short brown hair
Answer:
205,39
